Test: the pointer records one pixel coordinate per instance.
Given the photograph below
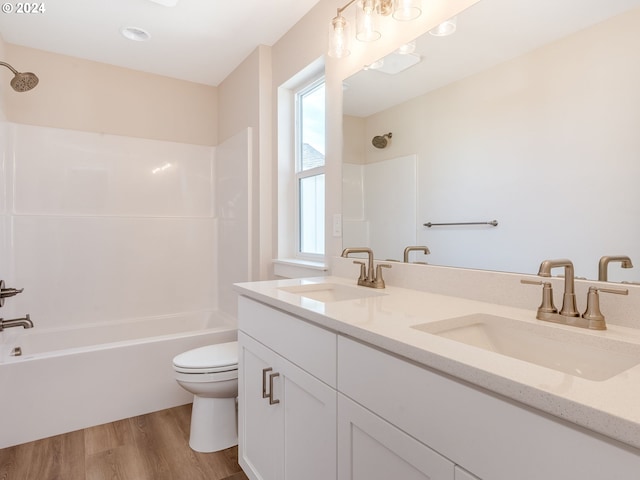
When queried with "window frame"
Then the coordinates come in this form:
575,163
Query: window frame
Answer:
300,174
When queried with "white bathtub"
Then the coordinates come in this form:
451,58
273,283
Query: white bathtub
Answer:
72,378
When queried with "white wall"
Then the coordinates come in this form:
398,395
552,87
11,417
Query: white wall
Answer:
519,143
104,227
244,102
79,94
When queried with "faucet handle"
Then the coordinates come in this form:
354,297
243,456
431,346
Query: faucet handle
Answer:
547,306
378,281
363,270
8,292
593,313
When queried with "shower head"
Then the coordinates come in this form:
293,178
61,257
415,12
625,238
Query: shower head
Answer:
21,82
381,141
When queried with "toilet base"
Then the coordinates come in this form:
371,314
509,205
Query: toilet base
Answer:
214,424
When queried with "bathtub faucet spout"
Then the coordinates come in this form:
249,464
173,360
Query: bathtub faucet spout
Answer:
16,322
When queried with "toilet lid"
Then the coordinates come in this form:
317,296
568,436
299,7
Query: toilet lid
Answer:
219,357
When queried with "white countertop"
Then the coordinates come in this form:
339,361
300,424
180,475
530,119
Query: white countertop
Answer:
610,407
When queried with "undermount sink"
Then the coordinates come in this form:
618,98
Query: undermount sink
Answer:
331,292
591,357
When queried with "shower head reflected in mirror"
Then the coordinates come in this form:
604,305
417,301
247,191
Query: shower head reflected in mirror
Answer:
21,82
381,141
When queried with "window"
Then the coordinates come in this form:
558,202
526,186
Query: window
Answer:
310,175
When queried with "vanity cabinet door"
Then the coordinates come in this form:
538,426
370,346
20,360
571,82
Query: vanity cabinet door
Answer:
369,448
260,436
291,434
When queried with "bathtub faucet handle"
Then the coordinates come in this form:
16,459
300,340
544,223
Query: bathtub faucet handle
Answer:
8,292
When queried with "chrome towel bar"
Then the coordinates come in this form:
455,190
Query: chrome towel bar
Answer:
493,223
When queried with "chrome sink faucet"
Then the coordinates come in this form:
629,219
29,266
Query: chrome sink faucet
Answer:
369,277
604,263
592,318
422,249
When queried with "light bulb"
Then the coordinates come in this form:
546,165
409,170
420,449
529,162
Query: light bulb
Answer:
405,10
367,22
339,38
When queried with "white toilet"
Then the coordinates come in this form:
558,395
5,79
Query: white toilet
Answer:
211,374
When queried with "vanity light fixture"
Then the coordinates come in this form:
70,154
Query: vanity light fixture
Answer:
368,13
367,25
407,10
448,27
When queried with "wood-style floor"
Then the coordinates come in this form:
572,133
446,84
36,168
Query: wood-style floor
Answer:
149,447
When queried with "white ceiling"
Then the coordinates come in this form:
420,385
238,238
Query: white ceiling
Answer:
489,32
197,40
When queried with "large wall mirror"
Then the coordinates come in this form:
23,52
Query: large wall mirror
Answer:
529,114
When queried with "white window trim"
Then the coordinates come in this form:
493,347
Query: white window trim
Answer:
299,173
287,228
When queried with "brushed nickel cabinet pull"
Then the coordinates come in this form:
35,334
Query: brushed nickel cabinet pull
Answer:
271,400
264,382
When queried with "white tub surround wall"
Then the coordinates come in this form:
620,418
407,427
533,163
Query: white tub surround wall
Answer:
578,409
102,227
104,231
380,206
233,206
4,214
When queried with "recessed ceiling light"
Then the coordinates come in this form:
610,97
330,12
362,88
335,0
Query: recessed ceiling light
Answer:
134,33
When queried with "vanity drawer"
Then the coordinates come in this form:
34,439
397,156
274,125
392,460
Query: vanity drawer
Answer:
306,345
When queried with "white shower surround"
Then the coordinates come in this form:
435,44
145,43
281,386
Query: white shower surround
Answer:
104,227
106,232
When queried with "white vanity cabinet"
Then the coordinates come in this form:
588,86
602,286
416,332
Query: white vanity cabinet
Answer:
487,435
286,413
369,448
343,409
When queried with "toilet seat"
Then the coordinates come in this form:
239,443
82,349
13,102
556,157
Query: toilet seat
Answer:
190,377
221,357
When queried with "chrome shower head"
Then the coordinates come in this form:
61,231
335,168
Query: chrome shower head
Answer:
22,82
381,141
